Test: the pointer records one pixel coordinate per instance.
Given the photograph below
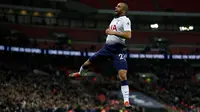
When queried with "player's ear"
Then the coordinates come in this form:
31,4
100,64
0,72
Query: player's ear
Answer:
125,11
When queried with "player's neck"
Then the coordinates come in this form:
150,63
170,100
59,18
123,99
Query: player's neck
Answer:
122,14
117,16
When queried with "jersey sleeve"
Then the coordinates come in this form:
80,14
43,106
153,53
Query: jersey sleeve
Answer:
127,25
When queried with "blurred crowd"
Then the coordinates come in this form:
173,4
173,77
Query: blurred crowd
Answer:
28,87
48,89
177,86
32,93
32,83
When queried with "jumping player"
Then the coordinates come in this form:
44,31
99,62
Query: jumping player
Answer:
119,30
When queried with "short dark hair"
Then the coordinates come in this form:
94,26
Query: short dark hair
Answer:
125,6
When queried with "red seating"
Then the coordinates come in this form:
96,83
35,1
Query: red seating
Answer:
33,32
45,32
93,35
141,5
81,35
83,47
180,5
135,51
47,45
138,5
173,50
138,37
148,5
183,50
112,3
92,3
173,37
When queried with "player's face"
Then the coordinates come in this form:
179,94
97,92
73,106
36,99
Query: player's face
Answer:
119,9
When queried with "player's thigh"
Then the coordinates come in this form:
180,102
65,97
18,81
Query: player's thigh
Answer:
119,62
101,55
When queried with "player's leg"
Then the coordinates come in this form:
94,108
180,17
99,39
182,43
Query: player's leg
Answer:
120,64
84,68
100,55
124,86
82,71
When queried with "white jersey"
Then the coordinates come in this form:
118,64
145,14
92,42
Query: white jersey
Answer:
119,24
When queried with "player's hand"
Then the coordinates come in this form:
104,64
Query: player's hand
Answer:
109,32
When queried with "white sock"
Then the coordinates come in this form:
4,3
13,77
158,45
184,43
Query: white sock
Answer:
80,70
125,92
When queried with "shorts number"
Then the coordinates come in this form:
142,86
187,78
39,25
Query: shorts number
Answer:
121,56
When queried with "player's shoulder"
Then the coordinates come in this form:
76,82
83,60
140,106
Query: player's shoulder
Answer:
125,18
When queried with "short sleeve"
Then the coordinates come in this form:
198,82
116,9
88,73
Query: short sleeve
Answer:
127,24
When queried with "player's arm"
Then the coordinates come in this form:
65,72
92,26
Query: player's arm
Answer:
125,34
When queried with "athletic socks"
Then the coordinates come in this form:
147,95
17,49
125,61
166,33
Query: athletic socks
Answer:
83,69
125,90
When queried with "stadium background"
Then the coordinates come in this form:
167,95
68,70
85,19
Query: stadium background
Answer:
42,41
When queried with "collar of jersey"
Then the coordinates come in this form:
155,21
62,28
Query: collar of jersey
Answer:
119,16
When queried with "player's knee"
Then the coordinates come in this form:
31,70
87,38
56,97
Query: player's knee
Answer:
122,74
87,62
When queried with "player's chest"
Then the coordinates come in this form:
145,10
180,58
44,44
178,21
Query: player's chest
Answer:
116,24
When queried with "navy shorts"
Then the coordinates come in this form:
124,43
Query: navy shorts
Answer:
114,52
